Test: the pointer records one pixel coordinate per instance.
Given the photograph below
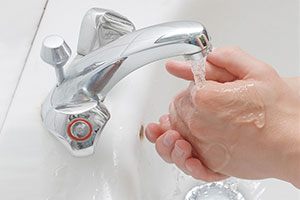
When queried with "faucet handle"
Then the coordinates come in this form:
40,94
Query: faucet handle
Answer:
100,27
56,52
77,125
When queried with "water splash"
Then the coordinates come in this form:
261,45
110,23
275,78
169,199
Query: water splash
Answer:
198,62
198,69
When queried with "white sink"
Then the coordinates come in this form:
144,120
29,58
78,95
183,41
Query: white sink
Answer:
35,166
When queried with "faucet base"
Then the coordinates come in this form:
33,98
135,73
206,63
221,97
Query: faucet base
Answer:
77,126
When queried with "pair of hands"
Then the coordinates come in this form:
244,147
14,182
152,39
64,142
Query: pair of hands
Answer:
244,122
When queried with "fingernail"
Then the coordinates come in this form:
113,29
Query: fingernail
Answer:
148,133
168,140
164,119
178,151
189,168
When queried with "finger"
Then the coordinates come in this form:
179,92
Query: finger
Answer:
235,61
164,122
183,70
185,111
153,131
177,122
180,69
218,74
197,170
181,152
165,144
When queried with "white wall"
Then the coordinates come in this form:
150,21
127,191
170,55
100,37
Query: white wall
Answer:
18,24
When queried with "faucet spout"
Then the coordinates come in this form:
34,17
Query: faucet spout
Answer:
100,70
74,110
145,46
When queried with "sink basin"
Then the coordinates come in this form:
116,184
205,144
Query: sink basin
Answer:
35,166
125,165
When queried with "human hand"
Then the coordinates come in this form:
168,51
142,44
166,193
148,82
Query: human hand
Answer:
244,122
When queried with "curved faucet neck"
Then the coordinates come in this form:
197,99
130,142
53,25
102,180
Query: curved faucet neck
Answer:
95,74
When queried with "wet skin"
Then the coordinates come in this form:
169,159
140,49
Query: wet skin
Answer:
244,122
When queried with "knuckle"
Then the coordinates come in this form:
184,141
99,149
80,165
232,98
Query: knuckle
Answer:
166,157
195,127
232,50
204,97
266,69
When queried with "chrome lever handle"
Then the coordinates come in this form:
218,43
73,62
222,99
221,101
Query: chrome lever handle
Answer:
100,27
56,53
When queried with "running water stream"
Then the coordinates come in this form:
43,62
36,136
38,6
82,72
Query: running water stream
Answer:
198,62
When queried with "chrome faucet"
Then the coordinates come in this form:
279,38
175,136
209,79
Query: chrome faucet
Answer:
109,48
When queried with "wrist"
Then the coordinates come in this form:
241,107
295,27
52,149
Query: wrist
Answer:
285,148
295,174
293,159
296,162
289,142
